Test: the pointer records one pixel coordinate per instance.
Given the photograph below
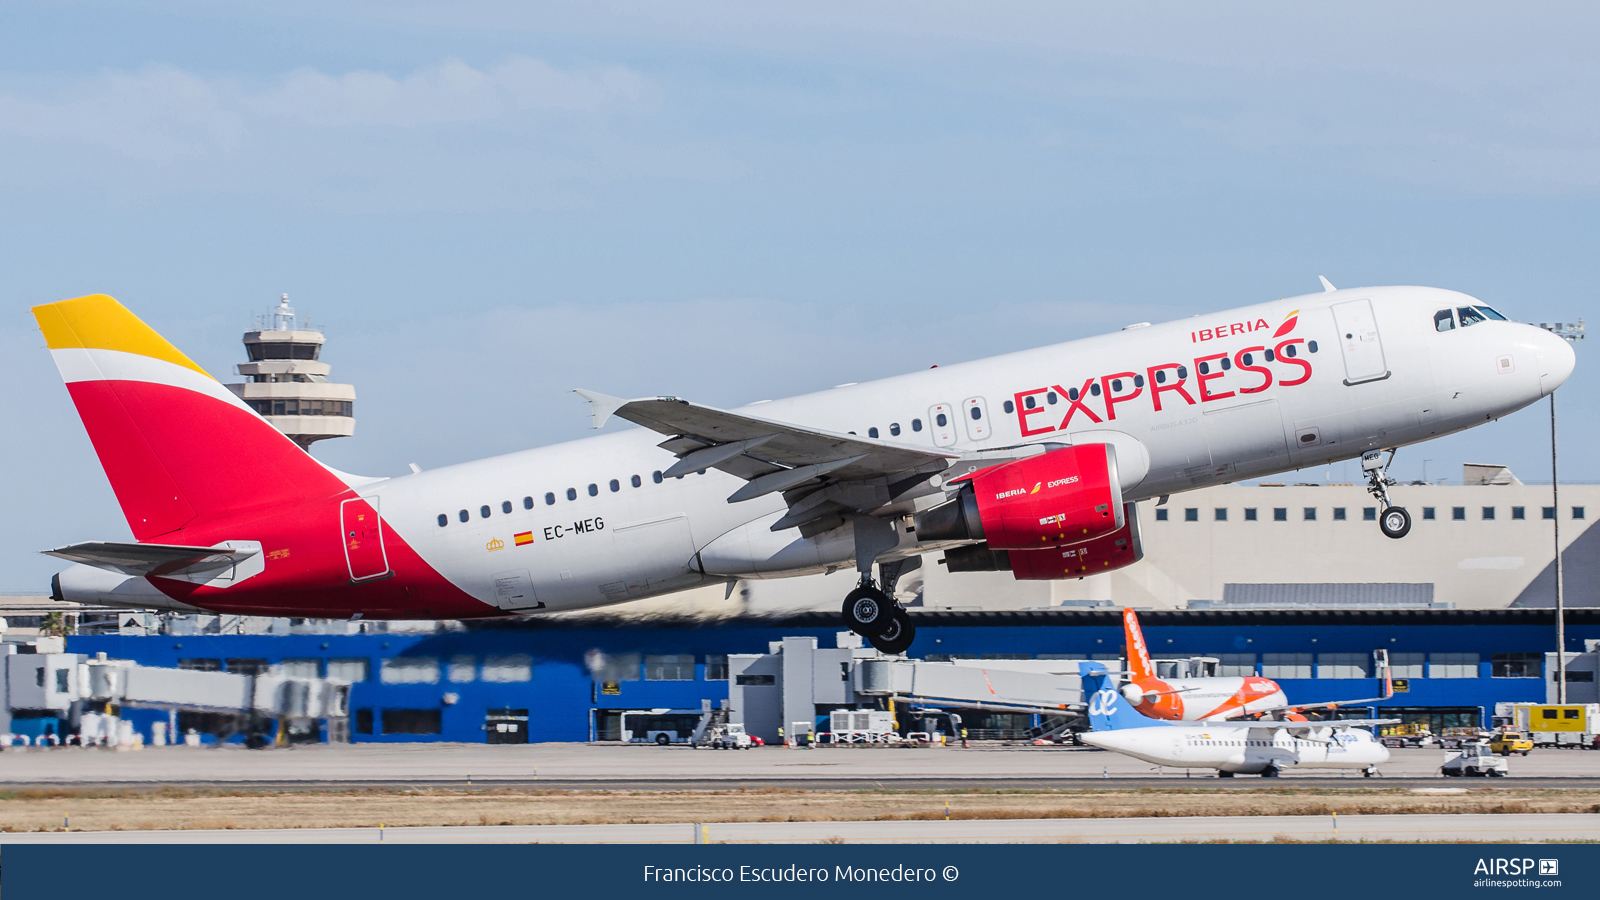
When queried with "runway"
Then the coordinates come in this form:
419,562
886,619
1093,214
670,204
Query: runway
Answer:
1405,828
618,766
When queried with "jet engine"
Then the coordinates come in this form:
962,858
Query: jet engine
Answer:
1056,499
1114,551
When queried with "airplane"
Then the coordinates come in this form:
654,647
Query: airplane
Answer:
1216,697
1188,699
1029,462
1262,747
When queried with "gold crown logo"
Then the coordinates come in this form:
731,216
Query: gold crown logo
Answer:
495,544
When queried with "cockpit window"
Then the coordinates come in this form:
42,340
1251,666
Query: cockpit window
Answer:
1490,312
1470,316
1443,320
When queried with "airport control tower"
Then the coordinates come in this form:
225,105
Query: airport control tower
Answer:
288,384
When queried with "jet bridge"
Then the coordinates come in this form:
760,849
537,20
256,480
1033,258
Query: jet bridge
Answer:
70,685
1020,686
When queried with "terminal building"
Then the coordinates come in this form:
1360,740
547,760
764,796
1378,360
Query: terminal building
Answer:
1289,581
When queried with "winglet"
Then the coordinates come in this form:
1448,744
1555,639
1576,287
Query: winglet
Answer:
601,405
1327,286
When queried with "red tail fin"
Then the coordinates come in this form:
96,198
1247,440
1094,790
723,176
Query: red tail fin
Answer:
1138,655
177,446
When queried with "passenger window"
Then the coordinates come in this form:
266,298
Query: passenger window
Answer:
527,503
916,424
977,413
636,481
615,486
1072,394
1095,389
1009,407
483,511
941,420
1028,401
594,489
1050,398
1226,365
1443,320
1138,381
572,493
1469,316
464,516
505,507
1205,368
894,427
443,520
656,476
1116,384
549,499
872,432
1311,346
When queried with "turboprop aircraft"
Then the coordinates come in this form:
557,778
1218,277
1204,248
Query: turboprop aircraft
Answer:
1215,697
1262,747
1028,462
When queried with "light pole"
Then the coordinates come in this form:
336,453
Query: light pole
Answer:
1572,333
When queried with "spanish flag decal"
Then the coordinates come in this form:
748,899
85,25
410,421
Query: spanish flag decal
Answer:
525,537
1289,322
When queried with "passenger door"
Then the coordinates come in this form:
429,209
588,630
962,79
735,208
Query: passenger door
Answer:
1359,341
363,539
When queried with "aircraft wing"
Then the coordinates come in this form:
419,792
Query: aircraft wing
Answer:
172,560
773,456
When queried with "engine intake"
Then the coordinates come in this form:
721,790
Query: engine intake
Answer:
1055,499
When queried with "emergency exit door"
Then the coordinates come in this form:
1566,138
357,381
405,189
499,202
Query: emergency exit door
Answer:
1359,341
362,531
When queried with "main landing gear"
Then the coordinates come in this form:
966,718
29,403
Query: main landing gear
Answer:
871,611
1393,521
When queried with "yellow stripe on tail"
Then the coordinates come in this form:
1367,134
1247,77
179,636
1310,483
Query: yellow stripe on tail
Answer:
98,322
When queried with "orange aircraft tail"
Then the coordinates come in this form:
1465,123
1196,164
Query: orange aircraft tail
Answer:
1138,655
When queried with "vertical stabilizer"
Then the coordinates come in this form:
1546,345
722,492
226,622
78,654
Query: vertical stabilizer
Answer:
177,446
1138,655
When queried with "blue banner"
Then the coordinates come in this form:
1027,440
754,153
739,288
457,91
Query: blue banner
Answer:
313,872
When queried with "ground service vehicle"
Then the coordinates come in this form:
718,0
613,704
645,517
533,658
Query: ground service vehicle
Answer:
1475,759
1410,734
1557,725
1506,743
1028,463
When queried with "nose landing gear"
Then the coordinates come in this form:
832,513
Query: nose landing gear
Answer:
1393,521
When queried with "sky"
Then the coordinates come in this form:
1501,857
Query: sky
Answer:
487,204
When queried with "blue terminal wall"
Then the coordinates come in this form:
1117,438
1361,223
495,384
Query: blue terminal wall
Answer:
562,697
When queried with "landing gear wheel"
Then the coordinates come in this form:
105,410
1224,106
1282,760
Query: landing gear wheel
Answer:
663,740
1269,772
899,634
1395,522
1223,773
1369,772
868,611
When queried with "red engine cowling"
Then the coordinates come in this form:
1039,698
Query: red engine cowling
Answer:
1055,499
1103,554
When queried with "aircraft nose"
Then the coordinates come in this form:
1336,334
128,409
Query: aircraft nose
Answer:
1556,361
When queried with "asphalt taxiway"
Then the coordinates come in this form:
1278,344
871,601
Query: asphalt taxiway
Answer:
620,766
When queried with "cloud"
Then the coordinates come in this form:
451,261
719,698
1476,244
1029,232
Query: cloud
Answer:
449,136
156,114
447,93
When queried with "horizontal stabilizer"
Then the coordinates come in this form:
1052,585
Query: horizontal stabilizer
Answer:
165,560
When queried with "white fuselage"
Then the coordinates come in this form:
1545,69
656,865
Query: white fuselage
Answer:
605,540
1241,748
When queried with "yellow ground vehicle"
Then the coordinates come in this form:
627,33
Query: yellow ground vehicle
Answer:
1506,743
